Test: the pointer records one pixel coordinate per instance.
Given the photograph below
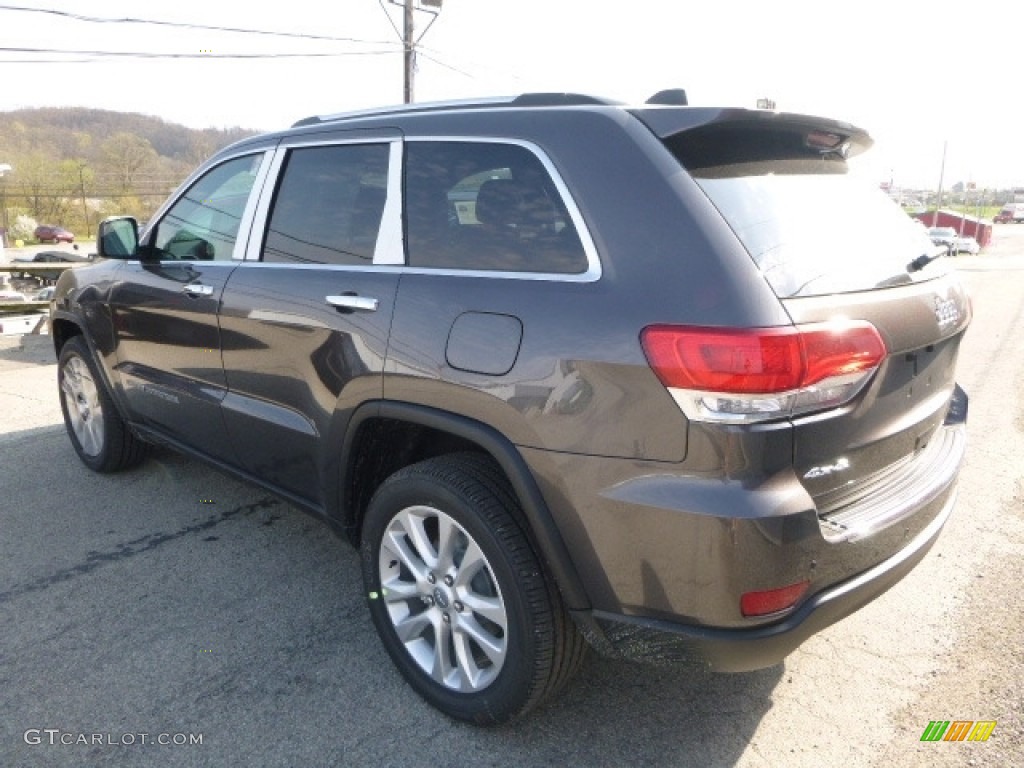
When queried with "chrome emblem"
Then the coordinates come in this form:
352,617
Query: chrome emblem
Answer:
829,469
946,312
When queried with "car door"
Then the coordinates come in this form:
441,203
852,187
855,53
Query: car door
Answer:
164,306
306,317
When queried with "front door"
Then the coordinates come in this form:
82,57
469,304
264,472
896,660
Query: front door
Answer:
165,310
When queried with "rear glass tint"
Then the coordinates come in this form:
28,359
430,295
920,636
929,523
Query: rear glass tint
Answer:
811,227
486,206
329,205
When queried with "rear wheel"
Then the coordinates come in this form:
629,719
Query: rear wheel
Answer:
457,594
100,437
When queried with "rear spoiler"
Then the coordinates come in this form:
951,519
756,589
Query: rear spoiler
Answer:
817,135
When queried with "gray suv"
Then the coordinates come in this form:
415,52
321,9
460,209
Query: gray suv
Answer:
568,373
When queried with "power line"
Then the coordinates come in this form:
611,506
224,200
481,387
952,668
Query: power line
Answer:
155,55
185,25
440,63
424,51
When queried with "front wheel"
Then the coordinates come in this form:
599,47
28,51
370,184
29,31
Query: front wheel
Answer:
100,437
457,594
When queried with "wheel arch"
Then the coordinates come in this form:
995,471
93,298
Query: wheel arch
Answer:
376,444
62,328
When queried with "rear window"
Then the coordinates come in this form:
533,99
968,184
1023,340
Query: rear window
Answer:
486,206
810,226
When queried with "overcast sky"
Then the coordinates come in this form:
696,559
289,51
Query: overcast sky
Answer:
914,74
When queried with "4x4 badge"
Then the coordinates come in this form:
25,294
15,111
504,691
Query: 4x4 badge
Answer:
829,469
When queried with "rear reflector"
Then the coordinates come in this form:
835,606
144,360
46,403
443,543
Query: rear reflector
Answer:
772,600
756,374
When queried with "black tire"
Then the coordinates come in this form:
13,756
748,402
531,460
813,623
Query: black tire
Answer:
534,647
100,437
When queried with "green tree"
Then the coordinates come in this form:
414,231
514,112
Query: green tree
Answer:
125,158
43,187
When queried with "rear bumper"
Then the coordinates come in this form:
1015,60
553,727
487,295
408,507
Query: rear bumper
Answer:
741,650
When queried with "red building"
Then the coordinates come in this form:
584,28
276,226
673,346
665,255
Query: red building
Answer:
979,229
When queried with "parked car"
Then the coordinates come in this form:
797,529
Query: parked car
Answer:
566,371
12,296
44,294
1005,216
46,234
944,236
966,245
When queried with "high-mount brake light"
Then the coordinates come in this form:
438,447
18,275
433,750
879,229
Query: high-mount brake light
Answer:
758,374
823,140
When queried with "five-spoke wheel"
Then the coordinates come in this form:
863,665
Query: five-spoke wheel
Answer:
100,437
458,595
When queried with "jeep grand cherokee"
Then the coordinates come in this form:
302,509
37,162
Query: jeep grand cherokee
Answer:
568,372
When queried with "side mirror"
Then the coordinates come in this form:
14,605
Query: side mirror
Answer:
118,238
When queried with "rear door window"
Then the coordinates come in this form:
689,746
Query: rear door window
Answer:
486,206
329,205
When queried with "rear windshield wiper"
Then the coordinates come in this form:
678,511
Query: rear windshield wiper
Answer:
925,259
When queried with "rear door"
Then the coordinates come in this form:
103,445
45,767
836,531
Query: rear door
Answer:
306,317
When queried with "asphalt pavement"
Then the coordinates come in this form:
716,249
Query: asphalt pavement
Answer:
173,616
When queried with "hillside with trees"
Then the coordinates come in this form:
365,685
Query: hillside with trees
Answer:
73,166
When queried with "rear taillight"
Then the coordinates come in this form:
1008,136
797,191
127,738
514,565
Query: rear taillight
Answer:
758,374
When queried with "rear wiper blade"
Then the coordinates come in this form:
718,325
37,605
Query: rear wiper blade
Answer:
925,259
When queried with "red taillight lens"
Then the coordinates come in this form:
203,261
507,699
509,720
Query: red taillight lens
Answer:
772,600
840,350
755,374
736,361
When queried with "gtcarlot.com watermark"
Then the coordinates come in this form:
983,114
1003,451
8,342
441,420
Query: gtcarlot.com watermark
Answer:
57,737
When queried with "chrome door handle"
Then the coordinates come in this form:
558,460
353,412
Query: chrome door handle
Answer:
362,303
195,289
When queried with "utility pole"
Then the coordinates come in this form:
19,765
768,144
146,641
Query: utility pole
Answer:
4,168
409,39
81,187
408,30
942,176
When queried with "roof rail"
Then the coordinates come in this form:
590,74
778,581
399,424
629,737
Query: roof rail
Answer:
559,100
523,100
400,109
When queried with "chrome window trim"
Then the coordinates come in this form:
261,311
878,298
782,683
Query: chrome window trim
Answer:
255,194
231,263
389,252
390,245
593,271
337,138
399,269
254,245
